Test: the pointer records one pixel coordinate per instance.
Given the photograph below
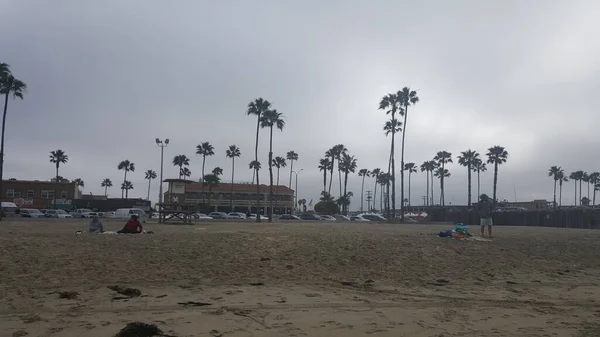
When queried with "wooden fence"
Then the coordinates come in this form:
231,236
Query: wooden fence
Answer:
568,218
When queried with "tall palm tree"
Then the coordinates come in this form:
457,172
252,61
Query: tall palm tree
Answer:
324,165
407,98
442,158
79,182
348,165
468,159
256,166
554,173
270,119
9,86
339,151
574,176
292,157
278,162
428,167
479,166
411,168
211,180
580,175
257,108
330,154
232,152
375,173
126,186
586,179
392,105
181,160
126,166
363,173
497,155
58,157
106,183
442,173
204,149
149,174
384,180
217,171
561,178
594,180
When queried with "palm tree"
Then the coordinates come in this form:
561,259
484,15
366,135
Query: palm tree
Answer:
278,162
106,183
343,201
256,166
257,108
561,179
9,86
324,165
479,166
574,176
233,152
181,160
586,179
126,166
442,173
339,151
442,158
468,159
375,173
411,168
497,155
554,173
392,105
270,119
330,154
407,98
79,182
217,171
291,156
211,180
126,186
185,173
363,173
594,179
204,149
58,157
348,165
384,180
150,174
580,175
428,167
60,179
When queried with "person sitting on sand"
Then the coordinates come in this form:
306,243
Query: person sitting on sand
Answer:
96,225
133,226
485,209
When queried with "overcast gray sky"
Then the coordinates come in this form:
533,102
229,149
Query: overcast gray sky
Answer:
107,77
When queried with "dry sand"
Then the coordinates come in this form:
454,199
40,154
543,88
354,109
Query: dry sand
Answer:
308,280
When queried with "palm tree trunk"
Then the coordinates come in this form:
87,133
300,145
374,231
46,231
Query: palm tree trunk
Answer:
345,190
442,195
381,200
393,175
258,195
427,176
560,192
375,191
56,183
580,191
291,169
432,189
271,175
390,177
105,191
202,181
331,175
362,197
2,142
124,180
149,180
324,180
127,193
478,185
495,181
594,196
588,183
340,177
554,202
575,192
402,168
277,198
469,183
231,190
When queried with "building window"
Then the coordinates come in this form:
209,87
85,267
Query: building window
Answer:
47,194
64,194
11,193
30,194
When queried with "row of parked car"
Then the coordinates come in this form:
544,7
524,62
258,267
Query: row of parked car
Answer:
78,213
302,216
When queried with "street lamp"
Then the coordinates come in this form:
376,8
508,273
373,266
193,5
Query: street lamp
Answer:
296,190
162,146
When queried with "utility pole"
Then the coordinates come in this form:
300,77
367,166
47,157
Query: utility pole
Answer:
369,198
424,199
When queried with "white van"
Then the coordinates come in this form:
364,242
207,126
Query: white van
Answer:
8,209
128,212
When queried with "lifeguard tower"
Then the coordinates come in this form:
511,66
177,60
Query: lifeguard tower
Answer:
171,209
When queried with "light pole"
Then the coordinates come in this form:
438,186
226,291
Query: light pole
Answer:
162,146
296,190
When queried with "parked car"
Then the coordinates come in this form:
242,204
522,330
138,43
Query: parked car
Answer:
237,215
309,216
128,212
83,213
289,217
372,217
328,217
31,213
44,210
358,218
219,215
57,213
202,216
253,216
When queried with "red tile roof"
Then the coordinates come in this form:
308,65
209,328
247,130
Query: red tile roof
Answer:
238,188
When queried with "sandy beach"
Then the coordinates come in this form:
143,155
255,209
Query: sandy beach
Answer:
298,279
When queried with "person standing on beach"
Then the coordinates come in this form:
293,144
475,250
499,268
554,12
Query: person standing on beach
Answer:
485,209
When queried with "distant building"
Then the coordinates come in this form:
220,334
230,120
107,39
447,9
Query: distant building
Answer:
39,194
538,204
189,196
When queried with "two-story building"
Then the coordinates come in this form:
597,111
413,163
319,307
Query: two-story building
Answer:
39,194
191,195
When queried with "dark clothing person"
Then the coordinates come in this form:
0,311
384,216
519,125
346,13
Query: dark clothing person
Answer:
133,226
484,208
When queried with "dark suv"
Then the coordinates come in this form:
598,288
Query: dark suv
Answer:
309,216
